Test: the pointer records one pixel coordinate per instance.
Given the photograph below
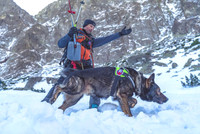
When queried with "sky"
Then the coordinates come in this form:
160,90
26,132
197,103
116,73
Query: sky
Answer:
33,6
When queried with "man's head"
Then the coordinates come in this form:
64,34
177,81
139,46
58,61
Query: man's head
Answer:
89,25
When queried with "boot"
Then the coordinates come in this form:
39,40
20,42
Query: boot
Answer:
94,102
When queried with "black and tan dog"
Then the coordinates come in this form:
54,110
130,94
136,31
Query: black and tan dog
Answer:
99,81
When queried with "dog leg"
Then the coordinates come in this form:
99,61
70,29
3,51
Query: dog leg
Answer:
70,100
132,102
123,101
57,90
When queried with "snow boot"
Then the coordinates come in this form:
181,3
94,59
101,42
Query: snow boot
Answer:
94,102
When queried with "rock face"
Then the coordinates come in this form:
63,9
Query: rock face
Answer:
13,20
30,42
151,20
24,41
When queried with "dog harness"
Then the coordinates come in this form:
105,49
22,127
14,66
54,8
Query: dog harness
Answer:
120,73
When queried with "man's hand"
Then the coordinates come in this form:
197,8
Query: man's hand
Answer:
125,31
72,31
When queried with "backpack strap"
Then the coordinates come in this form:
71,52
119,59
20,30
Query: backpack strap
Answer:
91,49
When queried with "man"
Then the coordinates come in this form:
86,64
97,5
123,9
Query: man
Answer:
85,38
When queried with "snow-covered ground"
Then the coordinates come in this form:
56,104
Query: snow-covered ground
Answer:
21,112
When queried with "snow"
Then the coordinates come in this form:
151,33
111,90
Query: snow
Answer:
21,112
100,14
51,23
174,9
12,43
141,1
3,31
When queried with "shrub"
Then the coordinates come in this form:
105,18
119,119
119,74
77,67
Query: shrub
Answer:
38,90
3,85
195,42
193,81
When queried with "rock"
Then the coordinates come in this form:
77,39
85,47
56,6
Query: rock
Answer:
188,63
13,20
31,82
174,65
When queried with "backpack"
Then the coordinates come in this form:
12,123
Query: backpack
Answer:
80,51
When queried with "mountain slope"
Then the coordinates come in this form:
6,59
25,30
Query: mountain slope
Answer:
151,21
12,20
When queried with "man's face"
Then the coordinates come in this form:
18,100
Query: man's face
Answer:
89,28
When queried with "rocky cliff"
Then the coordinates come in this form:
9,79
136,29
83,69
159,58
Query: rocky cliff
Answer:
151,20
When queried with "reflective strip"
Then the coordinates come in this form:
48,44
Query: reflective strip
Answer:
120,71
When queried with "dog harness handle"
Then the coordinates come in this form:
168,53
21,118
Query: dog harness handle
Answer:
120,73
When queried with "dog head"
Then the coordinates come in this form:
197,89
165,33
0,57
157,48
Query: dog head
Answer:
151,91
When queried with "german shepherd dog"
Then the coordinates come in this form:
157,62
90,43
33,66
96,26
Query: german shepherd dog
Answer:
98,82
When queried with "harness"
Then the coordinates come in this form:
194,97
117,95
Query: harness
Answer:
120,73
86,50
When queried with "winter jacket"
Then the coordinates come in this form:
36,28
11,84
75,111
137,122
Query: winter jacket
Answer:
97,42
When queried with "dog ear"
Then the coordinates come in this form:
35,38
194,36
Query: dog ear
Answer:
150,80
152,77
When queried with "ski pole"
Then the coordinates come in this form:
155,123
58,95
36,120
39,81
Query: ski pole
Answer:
71,12
82,3
72,19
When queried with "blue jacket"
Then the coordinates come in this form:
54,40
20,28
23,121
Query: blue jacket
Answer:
97,42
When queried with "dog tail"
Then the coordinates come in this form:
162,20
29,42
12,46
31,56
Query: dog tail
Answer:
66,72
